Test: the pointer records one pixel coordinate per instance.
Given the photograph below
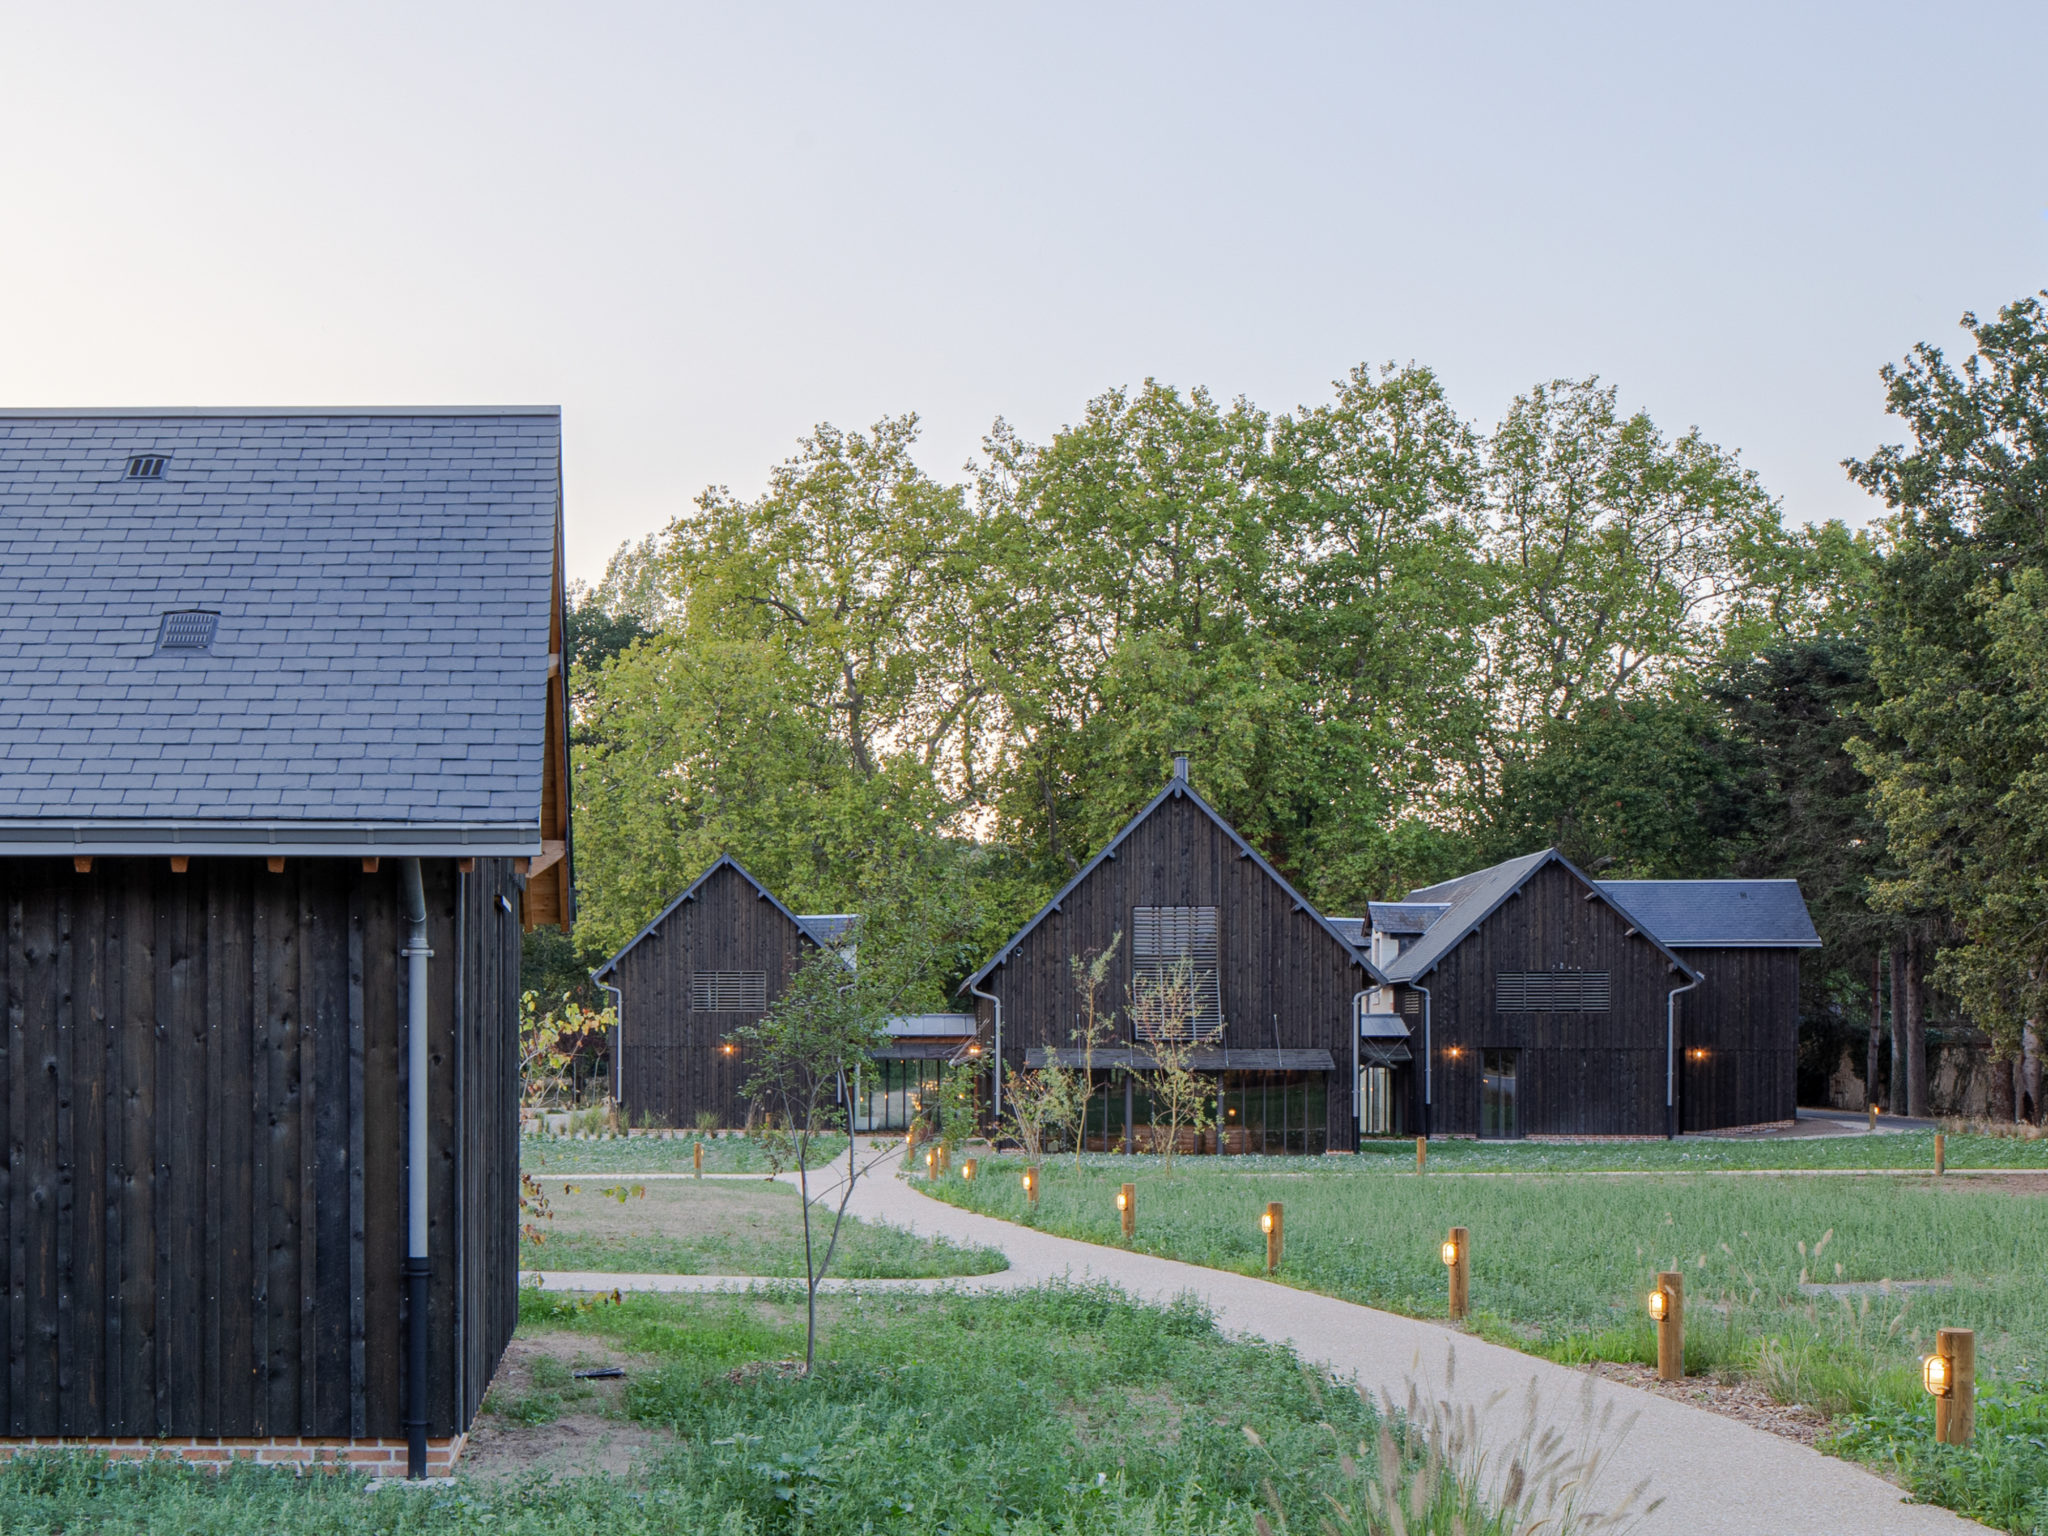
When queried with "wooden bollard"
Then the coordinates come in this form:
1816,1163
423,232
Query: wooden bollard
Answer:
1421,1152
1127,1209
1457,1257
945,1158
697,1160
1940,1154
931,1162
967,1169
1667,1311
1270,1223
1873,1117
1950,1375
1031,1185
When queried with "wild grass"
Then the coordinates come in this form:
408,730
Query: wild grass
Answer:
1560,1265
722,1227
726,1152
1041,1413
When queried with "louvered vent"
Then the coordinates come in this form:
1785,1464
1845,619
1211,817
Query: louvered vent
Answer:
147,466
728,991
188,631
1176,968
1551,992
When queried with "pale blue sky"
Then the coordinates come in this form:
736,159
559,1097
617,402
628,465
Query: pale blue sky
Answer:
702,229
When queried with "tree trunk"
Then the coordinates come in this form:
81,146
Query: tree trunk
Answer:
1916,1032
2000,1105
2028,1089
1876,1029
1895,1082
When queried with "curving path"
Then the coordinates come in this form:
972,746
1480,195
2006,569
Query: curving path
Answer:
1716,1476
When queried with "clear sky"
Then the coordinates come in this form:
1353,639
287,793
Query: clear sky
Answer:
702,229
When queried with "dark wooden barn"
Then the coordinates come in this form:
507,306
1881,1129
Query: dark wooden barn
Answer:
1542,1003
282,777
1179,886
713,961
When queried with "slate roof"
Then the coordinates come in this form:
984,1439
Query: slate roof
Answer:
378,681
689,893
1720,914
1352,930
1174,786
1405,917
831,930
1473,898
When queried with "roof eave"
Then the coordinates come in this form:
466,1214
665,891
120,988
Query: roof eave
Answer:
275,839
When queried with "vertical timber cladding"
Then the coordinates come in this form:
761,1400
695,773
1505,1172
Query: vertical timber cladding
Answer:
1286,981
674,1062
1739,1038
202,1205
1580,1073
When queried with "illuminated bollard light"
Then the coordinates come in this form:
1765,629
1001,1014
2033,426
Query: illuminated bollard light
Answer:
1127,1209
931,1162
1457,1257
1270,1224
1031,1186
1667,1311
1950,1377
967,1170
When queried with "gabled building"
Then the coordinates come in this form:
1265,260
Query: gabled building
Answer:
1276,987
712,961
1540,1002
283,775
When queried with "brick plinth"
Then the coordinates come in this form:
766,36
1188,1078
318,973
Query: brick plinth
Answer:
380,1458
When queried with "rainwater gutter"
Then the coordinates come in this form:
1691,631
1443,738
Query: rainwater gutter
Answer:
1428,1064
1671,1057
416,1268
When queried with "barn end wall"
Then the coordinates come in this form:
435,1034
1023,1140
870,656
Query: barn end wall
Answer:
202,1207
676,1063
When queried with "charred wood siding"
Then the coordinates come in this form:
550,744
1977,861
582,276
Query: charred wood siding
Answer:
1602,1073
673,1065
1745,1016
202,1203
1285,981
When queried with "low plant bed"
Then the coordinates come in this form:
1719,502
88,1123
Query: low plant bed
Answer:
724,1152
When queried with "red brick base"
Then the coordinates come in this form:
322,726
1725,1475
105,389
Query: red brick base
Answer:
381,1458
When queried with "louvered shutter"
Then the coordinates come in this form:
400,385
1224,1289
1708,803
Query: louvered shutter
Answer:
728,991
1162,938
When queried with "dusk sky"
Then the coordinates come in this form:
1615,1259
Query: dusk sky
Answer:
701,230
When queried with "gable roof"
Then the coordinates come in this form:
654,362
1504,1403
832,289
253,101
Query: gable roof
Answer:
831,930
689,893
1475,897
1176,787
1720,914
379,677
1405,917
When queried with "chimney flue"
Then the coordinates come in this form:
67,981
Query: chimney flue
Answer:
1180,766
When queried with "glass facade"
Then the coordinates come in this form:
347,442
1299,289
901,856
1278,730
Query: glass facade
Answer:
1256,1112
886,1094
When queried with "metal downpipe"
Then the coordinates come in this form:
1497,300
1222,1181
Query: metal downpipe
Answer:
995,1067
1428,1064
416,1269
1671,1057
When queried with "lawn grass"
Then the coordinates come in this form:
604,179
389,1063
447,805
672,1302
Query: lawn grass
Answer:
1039,1413
727,1152
1901,1149
723,1227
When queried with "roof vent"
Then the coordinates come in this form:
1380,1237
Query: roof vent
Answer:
147,466
191,630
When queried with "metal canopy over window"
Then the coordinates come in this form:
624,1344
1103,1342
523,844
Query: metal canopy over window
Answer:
728,991
1163,941
1551,992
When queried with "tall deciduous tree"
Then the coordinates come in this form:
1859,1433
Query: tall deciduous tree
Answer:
1960,654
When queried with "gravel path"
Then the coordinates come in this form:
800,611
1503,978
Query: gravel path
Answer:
1715,1475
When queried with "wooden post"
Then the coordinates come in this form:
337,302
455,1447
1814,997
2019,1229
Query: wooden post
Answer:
1421,1152
1031,1185
1458,1258
1127,1208
697,1159
967,1169
1955,1411
1940,1154
931,1162
1873,1117
1671,1326
1272,1224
